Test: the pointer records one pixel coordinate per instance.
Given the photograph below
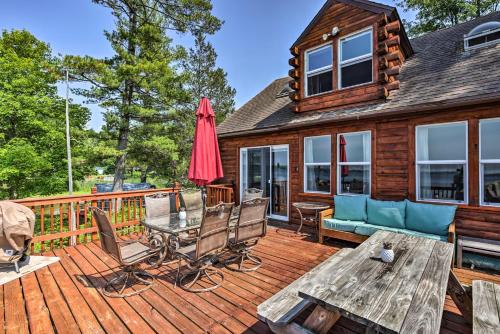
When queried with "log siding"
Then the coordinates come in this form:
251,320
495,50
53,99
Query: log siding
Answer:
393,161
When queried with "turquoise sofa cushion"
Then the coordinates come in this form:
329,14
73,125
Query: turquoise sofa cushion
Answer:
426,235
369,229
429,218
350,207
386,213
341,225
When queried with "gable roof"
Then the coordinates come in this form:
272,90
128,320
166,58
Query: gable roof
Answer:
371,6
439,75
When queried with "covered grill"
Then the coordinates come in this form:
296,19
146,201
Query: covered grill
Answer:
17,223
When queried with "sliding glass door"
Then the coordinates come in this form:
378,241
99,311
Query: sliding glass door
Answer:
266,168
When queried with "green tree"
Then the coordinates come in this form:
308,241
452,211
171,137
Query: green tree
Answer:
141,84
153,149
204,79
207,80
437,14
32,120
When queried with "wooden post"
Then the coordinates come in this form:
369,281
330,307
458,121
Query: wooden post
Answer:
460,297
321,320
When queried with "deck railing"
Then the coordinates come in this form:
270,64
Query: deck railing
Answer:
219,193
56,225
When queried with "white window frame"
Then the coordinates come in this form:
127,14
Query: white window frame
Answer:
316,71
443,162
341,164
359,59
243,175
316,164
483,162
484,33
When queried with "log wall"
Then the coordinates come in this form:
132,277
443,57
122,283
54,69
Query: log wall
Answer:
387,58
393,161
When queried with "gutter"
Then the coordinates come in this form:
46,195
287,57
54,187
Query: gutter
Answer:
433,106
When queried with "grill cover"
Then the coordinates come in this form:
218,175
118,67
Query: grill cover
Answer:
17,223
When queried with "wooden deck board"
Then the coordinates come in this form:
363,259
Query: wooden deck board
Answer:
66,295
38,314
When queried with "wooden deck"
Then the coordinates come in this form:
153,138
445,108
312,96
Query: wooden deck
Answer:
64,297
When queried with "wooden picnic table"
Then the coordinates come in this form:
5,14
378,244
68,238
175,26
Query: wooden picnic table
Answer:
405,296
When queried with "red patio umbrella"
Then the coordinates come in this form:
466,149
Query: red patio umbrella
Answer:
343,155
206,165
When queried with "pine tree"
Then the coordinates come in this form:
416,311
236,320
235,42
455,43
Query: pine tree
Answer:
141,84
204,79
208,80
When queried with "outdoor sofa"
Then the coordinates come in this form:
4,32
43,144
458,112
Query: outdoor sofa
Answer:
355,218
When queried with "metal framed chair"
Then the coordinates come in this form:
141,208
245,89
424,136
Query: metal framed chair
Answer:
128,254
211,240
252,193
250,228
159,204
191,200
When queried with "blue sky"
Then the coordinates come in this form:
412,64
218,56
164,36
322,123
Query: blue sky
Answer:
253,44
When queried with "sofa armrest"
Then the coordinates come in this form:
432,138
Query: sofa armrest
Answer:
325,214
451,233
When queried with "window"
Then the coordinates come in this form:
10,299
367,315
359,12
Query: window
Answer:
319,70
354,163
489,159
355,65
441,162
317,161
482,35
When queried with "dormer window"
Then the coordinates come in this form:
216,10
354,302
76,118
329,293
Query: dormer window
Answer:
484,34
319,70
355,65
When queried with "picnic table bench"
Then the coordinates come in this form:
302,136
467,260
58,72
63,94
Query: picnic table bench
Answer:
485,307
280,310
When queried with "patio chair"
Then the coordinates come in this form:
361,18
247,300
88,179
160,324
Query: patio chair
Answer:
211,240
159,204
192,202
191,199
252,193
250,228
128,254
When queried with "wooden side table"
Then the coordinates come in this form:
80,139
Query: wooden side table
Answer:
309,212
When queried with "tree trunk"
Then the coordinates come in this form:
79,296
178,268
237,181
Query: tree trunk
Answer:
478,8
127,98
144,174
121,161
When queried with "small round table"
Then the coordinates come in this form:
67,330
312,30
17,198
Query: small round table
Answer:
306,207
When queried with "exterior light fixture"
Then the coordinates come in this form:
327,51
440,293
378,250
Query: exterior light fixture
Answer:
335,31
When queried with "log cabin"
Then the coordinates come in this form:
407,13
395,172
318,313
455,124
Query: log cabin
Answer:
366,110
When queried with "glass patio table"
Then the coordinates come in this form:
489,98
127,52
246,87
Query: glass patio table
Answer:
177,229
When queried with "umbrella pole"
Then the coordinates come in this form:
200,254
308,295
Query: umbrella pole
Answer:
204,196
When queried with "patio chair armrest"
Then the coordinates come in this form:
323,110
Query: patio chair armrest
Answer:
325,214
451,233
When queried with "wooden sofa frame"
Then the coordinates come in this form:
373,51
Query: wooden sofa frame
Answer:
353,237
